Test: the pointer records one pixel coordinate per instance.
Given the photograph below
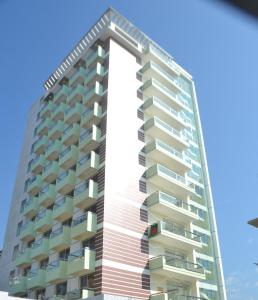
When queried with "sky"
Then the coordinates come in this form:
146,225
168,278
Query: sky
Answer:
217,45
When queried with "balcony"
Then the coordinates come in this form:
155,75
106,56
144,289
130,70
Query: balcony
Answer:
90,139
56,130
50,171
68,157
173,296
43,221
153,88
156,128
154,70
81,262
47,195
61,94
168,156
96,73
73,113
87,166
36,279
58,112
80,294
154,54
40,145
168,233
176,269
47,109
76,94
170,206
94,94
27,232
60,238
84,227
39,249
42,128
63,209
91,116
23,258
30,208
53,149
37,164
34,185
78,77
86,194
98,55
66,182
168,180
71,134
156,107
56,271
18,286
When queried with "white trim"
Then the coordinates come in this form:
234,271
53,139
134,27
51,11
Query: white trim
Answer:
120,266
124,231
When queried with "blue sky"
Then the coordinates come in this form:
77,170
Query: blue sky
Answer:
217,45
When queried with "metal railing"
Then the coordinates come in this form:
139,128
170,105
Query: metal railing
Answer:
174,228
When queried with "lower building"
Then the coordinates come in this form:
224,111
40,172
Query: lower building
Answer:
112,197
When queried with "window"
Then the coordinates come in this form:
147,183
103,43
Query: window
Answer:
26,271
26,184
30,243
204,237
29,166
61,289
47,233
43,264
11,275
23,203
206,264
87,281
64,254
89,243
19,226
212,295
67,222
40,294
15,252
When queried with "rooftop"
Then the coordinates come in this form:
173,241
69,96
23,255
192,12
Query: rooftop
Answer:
103,24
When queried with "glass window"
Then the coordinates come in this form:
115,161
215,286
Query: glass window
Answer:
89,243
64,254
61,289
11,275
87,281
43,264
67,222
30,243
19,226
15,252
40,294
47,233
26,271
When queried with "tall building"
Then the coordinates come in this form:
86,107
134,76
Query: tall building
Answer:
112,197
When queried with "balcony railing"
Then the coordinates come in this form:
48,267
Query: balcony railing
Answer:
173,295
172,200
178,263
174,228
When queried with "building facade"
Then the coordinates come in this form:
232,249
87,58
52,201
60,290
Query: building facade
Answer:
112,197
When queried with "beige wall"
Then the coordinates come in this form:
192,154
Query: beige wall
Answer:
125,253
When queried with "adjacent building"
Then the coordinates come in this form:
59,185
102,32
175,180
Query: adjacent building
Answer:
112,197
